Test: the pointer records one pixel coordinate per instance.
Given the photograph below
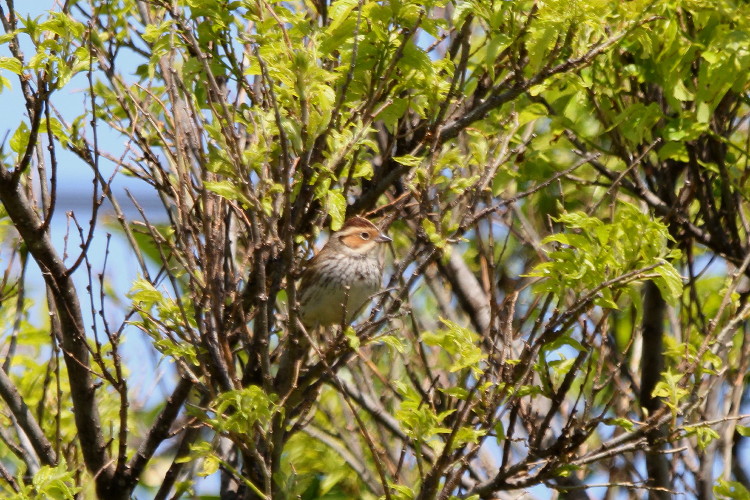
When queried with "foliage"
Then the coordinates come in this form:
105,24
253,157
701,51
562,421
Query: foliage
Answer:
566,187
50,482
596,256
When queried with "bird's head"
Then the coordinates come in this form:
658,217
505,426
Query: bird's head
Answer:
359,236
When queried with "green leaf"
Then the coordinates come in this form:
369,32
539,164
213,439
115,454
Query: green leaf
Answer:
456,392
399,492
591,251
4,83
240,410
460,343
351,337
393,342
210,465
408,160
432,233
704,434
680,92
731,490
670,284
336,208
671,392
144,292
466,435
393,113
56,482
626,424
499,430
12,64
338,12
226,189
418,420
153,32
20,138
566,470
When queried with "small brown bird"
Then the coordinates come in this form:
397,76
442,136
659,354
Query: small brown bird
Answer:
343,275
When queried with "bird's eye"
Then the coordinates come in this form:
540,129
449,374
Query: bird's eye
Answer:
364,235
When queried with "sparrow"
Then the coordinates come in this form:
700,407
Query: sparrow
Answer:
338,281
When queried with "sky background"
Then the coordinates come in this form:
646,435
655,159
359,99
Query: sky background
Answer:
74,198
150,379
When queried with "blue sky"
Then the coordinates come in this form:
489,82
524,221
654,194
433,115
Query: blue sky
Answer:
149,379
75,181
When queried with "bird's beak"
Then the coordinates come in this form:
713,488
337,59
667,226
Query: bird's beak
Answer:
383,238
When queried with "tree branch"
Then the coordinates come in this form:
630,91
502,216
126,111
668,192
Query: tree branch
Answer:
75,349
26,420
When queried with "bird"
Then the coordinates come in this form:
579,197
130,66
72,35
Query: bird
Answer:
338,281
